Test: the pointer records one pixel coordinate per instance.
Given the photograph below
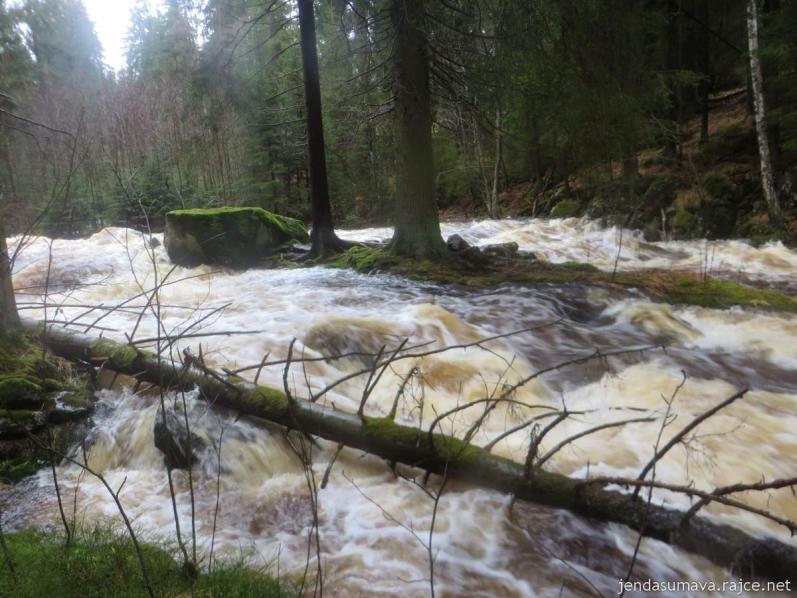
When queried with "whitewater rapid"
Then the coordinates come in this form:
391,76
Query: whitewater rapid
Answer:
484,545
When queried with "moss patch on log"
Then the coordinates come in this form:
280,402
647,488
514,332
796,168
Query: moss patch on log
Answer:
265,398
235,237
449,449
118,356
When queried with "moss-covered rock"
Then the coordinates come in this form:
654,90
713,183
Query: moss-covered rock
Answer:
231,237
37,388
20,393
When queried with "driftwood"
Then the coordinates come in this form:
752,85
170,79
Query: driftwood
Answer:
724,545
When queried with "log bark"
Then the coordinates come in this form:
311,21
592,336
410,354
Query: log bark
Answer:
722,544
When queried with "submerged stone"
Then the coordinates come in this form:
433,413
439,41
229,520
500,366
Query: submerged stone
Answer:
178,447
506,250
231,237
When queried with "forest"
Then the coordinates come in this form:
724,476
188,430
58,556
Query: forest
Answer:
398,297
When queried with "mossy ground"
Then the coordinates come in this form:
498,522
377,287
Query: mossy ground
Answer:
671,287
104,564
30,379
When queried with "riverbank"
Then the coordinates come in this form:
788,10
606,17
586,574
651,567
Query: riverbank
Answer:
678,288
102,563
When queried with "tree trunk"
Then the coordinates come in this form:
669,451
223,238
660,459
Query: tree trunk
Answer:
673,146
722,544
9,318
417,222
757,81
322,236
499,146
705,60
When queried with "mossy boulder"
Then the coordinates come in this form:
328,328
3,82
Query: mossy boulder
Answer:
231,237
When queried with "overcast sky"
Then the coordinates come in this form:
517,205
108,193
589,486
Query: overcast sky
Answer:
111,21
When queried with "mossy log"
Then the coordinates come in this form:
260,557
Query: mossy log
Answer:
229,236
724,545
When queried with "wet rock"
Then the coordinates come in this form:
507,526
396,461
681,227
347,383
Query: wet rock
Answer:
19,422
69,407
457,243
179,449
474,255
232,237
506,250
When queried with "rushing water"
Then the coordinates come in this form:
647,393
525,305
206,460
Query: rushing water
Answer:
483,544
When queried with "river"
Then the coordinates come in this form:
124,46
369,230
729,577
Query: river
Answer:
372,524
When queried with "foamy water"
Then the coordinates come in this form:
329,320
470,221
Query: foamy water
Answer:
482,546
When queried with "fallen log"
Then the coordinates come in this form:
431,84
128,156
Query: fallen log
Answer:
722,544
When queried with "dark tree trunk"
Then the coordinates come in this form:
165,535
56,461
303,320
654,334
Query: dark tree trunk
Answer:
322,236
673,65
417,222
705,60
9,318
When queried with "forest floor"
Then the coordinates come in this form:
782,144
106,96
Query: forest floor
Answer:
711,189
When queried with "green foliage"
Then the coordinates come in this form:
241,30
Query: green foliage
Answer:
719,187
660,192
566,208
102,564
684,223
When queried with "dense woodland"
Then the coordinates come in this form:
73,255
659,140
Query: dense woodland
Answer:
531,103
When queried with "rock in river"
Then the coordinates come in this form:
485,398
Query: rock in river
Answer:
232,237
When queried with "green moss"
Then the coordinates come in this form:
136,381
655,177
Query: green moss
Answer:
566,208
17,468
723,293
118,356
270,399
454,450
21,416
386,429
101,563
578,267
14,389
448,448
363,259
229,236
684,223
719,187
